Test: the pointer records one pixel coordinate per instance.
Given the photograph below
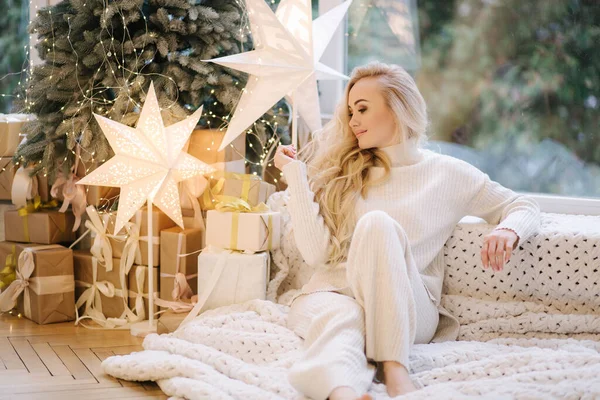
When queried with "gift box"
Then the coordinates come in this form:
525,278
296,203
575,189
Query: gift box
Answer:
204,145
4,207
138,278
160,222
249,188
175,242
84,265
44,285
169,321
10,132
241,277
248,231
7,175
102,196
44,226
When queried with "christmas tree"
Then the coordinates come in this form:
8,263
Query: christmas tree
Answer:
99,57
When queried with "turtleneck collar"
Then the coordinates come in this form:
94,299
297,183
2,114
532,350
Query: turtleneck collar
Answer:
405,153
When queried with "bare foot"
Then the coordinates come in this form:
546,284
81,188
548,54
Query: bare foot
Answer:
347,393
397,380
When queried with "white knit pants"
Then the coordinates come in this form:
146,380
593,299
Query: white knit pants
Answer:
385,312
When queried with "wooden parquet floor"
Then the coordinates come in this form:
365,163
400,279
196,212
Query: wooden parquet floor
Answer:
62,361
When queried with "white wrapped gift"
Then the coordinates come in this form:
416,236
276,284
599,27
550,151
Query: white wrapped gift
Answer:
226,277
243,231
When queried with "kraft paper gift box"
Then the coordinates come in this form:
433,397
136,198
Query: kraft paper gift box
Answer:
7,175
160,222
102,196
139,298
243,231
10,130
4,207
242,277
204,145
112,307
175,242
170,320
47,295
247,187
44,227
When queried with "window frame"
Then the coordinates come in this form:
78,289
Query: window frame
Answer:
331,91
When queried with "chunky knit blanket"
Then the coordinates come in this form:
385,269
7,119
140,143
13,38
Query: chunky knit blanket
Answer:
532,332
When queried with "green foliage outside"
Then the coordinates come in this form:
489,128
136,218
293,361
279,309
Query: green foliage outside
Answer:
14,38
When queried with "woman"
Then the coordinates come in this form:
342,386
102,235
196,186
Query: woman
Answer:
373,212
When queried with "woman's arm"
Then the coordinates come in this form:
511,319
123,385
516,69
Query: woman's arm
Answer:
311,234
509,210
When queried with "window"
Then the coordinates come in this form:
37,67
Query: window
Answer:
512,87
13,43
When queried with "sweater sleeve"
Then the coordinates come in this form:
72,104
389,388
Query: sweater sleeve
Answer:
503,207
310,232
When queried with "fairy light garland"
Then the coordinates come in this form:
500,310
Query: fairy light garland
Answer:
92,95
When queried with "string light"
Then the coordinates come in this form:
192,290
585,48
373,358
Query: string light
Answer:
92,94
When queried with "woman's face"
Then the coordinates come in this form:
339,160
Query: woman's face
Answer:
371,120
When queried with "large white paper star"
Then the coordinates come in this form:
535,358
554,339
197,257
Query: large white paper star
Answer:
285,61
148,162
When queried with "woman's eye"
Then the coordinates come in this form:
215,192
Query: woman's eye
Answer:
362,111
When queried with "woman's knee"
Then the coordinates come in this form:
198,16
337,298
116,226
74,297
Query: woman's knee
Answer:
314,313
378,221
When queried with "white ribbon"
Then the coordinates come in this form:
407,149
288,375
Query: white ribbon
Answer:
101,247
72,194
92,299
24,187
212,282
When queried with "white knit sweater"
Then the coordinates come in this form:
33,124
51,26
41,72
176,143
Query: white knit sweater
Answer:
427,194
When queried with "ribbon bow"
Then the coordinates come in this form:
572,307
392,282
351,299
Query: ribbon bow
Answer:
72,194
24,187
236,204
191,190
35,205
92,299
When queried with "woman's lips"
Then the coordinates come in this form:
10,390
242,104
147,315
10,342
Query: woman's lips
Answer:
360,133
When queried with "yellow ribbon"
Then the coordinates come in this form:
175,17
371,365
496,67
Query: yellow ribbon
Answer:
8,274
212,192
39,285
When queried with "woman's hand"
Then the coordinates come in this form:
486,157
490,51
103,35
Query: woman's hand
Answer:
284,155
497,248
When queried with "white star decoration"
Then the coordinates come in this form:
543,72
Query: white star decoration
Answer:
148,162
285,61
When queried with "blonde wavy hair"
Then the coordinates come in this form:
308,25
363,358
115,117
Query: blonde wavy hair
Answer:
339,170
